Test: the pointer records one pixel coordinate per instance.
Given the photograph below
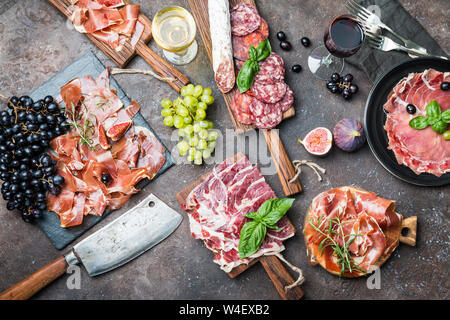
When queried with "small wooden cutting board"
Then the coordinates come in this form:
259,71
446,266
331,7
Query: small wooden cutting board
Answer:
122,57
280,157
278,274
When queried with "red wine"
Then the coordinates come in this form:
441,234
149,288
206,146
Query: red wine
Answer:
344,37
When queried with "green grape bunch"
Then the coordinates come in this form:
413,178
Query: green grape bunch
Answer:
188,114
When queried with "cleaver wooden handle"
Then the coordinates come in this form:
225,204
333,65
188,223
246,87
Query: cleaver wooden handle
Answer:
280,278
31,285
161,66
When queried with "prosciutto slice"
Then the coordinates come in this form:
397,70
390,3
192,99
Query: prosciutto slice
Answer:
217,206
135,156
364,219
423,151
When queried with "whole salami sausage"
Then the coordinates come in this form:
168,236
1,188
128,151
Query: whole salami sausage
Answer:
222,51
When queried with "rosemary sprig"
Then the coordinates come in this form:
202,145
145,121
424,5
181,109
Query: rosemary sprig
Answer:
104,102
344,259
84,129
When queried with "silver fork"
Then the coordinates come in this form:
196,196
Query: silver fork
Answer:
371,21
384,43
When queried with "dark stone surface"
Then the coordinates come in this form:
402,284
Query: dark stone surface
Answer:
37,43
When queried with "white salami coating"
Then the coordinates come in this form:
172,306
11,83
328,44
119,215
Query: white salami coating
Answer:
287,101
244,19
222,50
265,115
271,70
269,93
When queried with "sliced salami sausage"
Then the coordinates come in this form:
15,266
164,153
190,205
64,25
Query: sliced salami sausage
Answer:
240,105
271,70
268,93
287,101
244,19
265,115
242,44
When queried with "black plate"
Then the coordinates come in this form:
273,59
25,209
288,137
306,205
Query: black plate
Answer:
375,118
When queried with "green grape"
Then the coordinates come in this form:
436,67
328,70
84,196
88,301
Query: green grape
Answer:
183,91
183,147
202,105
197,127
207,91
210,124
198,158
212,146
177,102
181,133
212,135
190,101
166,103
165,112
203,124
207,99
168,121
190,89
200,114
189,129
178,121
182,111
193,141
190,156
206,154
202,144
198,90
203,134
187,120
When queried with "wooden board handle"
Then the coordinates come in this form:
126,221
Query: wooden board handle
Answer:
29,286
281,278
410,224
282,163
161,66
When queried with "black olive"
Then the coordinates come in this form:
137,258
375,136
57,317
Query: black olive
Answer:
411,109
296,68
106,178
281,36
445,85
285,45
305,41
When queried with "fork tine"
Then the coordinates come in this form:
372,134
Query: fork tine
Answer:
361,7
373,44
356,9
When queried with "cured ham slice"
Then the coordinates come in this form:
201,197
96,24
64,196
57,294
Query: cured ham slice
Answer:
217,206
364,218
423,151
110,21
136,156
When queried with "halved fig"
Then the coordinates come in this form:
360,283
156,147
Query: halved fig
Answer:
318,141
102,139
118,130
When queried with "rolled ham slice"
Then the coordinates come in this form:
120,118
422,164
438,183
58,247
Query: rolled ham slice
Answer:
222,50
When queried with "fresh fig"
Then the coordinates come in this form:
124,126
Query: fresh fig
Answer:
102,139
349,135
117,130
318,141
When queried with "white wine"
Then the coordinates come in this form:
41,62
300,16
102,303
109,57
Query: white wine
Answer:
174,29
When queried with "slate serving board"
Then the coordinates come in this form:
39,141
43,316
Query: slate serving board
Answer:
88,64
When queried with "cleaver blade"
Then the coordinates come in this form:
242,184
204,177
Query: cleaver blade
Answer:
127,237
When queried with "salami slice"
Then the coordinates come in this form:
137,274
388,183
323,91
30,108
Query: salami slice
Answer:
265,115
242,44
271,70
241,107
287,101
268,93
244,19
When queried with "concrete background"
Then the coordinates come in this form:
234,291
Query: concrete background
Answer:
36,43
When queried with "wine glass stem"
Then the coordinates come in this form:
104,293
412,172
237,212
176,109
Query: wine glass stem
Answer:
327,60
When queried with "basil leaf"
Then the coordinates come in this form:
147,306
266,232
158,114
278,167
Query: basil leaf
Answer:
252,235
246,75
274,209
439,126
446,116
263,51
433,109
252,53
253,215
419,123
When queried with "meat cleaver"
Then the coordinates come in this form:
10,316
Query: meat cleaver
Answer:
122,240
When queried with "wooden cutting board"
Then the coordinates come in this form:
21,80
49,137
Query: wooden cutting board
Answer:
280,158
122,57
275,269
